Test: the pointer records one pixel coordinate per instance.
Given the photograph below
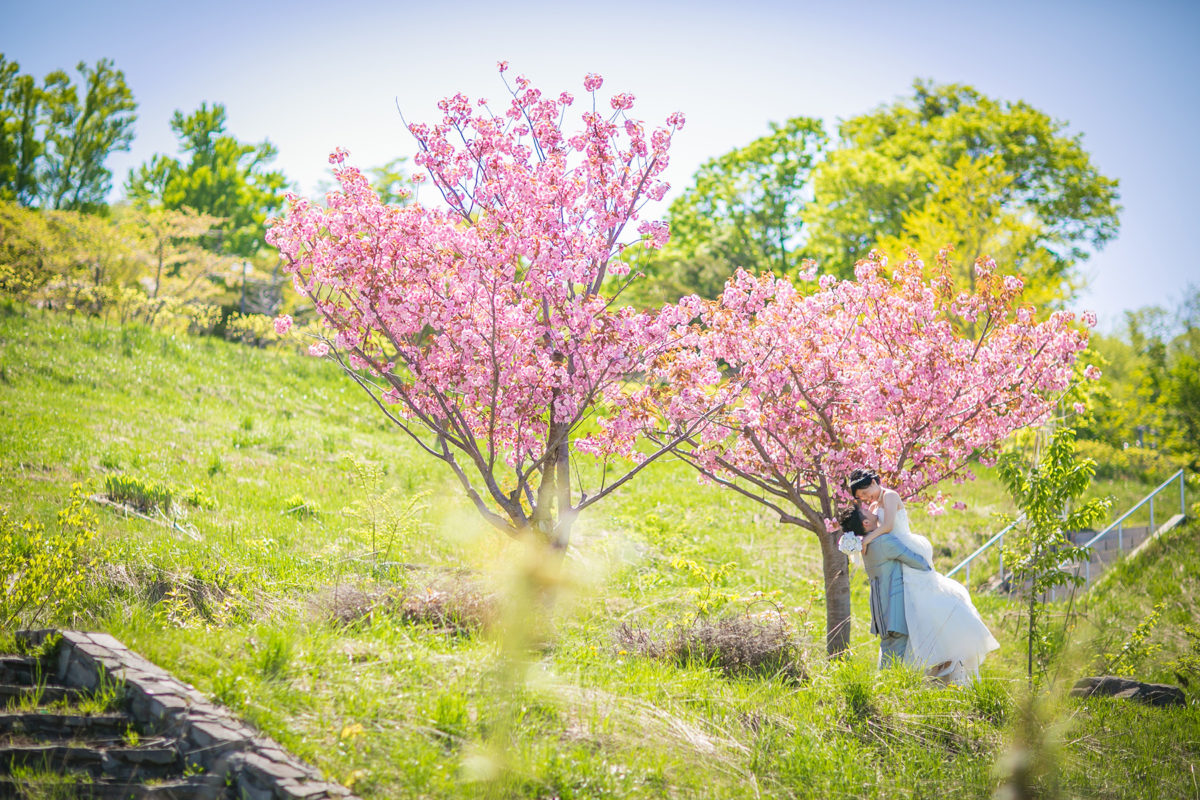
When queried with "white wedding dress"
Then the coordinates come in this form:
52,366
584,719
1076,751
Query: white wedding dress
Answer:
943,625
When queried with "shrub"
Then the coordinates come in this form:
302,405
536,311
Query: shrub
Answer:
1129,463
460,608
737,646
43,572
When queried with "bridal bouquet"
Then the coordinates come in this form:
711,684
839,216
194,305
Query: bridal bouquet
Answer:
849,543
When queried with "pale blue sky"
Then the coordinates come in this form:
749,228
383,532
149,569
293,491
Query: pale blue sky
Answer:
311,76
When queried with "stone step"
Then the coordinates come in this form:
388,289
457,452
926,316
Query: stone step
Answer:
196,787
20,669
43,725
158,759
13,693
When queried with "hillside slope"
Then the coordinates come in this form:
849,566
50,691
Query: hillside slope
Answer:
322,579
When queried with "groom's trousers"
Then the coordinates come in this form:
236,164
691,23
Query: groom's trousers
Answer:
891,647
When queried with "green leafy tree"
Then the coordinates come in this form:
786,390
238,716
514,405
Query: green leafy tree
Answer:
951,166
1151,389
219,176
391,182
20,105
744,209
1047,493
80,134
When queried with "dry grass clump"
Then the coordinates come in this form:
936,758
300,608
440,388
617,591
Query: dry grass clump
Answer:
456,607
738,646
182,599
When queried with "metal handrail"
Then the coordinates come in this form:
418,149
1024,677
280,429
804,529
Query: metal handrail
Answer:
1116,524
966,562
1178,476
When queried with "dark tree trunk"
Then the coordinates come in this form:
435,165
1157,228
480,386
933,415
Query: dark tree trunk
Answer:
836,569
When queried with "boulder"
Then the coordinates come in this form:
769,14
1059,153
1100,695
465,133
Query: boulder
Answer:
1152,694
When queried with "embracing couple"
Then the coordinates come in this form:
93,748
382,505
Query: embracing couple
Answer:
922,617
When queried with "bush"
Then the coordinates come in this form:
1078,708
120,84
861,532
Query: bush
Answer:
143,496
1129,463
451,606
43,572
738,646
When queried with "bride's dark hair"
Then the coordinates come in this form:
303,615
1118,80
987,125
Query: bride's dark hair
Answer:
851,520
861,479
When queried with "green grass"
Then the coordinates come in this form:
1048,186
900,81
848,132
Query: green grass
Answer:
306,490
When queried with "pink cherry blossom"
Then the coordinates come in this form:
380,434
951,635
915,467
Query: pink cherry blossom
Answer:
283,324
901,373
486,325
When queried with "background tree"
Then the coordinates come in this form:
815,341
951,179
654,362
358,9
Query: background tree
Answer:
486,330
1148,409
172,244
79,135
744,209
392,182
870,372
950,166
20,106
222,177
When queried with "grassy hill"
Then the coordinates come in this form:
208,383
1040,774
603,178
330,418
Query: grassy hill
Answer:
318,575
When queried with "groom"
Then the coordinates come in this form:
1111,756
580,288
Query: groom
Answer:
882,560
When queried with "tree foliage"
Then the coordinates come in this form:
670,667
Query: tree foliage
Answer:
875,371
55,139
20,145
81,132
1150,396
1047,494
951,166
218,176
486,330
744,208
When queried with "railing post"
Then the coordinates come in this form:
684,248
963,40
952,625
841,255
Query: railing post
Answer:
1151,515
1182,504
1120,539
1001,543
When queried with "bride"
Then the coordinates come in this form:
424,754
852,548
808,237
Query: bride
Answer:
946,636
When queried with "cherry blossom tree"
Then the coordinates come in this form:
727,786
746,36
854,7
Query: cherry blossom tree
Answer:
485,327
876,372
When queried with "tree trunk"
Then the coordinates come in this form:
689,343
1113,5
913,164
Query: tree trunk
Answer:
836,569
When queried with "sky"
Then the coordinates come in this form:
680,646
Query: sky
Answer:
313,76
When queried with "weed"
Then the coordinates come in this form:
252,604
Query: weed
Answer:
34,784
108,695
215,465
131,738
297,506
141,495
1136,648
990,700
197,497
273,654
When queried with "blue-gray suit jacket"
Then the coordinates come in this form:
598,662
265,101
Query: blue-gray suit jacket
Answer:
882,560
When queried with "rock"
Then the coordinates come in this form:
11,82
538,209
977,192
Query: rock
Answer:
1152,694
